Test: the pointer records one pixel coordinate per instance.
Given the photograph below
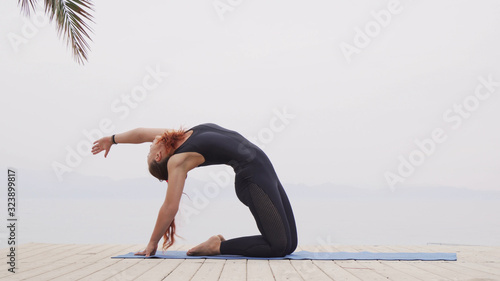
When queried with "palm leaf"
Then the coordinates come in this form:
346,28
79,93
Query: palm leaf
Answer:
71,17
27,6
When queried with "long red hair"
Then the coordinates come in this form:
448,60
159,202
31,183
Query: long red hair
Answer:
169,236
170,138
159,170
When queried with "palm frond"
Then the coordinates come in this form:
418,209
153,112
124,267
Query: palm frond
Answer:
27,6
71,18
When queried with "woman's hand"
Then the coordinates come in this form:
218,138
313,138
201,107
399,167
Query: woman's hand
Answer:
150,250
102,144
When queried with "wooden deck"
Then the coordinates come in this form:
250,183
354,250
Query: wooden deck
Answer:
39,261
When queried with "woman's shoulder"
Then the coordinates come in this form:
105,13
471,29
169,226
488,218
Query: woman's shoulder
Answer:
186,160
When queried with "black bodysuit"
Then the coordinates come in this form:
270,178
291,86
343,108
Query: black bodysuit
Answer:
257,186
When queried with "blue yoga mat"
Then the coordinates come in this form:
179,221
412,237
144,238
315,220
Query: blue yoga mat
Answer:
305,255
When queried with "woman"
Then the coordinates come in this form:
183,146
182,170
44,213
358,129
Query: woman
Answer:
174,153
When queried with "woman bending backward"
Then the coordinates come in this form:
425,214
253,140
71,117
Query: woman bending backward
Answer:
174,153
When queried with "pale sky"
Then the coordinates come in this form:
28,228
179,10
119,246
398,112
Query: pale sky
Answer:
278,72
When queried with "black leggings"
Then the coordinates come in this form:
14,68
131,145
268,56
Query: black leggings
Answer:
272,211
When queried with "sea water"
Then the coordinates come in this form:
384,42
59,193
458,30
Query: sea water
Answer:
319,221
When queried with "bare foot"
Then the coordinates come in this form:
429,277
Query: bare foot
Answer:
221,237
211,247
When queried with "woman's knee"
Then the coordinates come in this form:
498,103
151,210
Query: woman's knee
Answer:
279,249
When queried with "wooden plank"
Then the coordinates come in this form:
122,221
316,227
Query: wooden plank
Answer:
458,268
115,271
394,270
352,269
87,270
395,249
360,271
234,270
106,253
357,248
436,268
431,248
209,270
377,249
330,247
494,252
185,271
387,271
258,270
49,253
146,269
92,262
475,254
135,270
160,270
467,255
51,263
25,266
309,271
351,248
95,252
67,254
409,268
98,259
383,270
334,271
479,254
325,247
63,270
23,258
283,270
131,268
492,268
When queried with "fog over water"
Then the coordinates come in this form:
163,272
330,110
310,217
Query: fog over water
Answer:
125,212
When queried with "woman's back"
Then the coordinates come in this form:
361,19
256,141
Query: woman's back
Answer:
222,146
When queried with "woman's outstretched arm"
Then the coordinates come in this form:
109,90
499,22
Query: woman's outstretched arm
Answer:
139,135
